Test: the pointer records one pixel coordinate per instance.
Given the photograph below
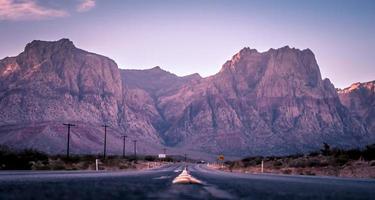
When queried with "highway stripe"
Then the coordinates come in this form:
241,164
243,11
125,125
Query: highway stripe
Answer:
186,178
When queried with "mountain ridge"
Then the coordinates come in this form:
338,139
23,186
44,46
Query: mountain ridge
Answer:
259,103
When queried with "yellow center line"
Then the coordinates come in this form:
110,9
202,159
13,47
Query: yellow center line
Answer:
186,178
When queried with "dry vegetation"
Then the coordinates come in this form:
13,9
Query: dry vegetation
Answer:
328,162
30,159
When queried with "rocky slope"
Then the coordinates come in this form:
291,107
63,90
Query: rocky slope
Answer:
359,98
156,81
51,83
273,102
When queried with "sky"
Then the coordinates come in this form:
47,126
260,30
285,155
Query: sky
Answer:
198,36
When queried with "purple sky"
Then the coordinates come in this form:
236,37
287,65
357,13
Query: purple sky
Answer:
185,37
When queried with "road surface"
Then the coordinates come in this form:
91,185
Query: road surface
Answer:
157,184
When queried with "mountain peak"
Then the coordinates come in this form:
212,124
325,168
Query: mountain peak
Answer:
157,68
285,47
248,50
62,43
358,85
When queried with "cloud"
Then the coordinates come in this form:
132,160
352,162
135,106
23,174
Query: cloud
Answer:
20,10
86,5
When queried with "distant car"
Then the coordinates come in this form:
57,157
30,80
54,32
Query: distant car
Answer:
201,162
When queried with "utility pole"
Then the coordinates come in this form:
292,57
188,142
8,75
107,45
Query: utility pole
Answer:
123,148
135,150
68,140
105,139
165,151
165,155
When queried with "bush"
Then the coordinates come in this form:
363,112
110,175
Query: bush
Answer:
309,173
23,160
150,158
294,156
341,160
57,164
277,163
252,161
169,159
314,162
326,150
369,152
314,153
39,165
353,154
299,163
286,171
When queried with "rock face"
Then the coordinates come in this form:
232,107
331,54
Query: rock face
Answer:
273,102
51,83
262,103
156,81
359,98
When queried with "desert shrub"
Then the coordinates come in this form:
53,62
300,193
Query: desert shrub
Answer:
20,160
247,159
32,154
270,158
326,150
111,161
309,173
126,165
150,158
313,162
230,164
254,161
132,158
353,154
340,160
298,163
169,159
57,164
277,163
82,165
39,165
286,171
238,164
294,156
369,152
299,171
314,153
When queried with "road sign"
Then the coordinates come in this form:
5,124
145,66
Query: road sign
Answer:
162,155
221,157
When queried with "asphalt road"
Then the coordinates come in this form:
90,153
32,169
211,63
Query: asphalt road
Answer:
157,184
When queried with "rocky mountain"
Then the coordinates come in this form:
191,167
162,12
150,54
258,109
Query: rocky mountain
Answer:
359,98
273,102
155,81
51,83
260,103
